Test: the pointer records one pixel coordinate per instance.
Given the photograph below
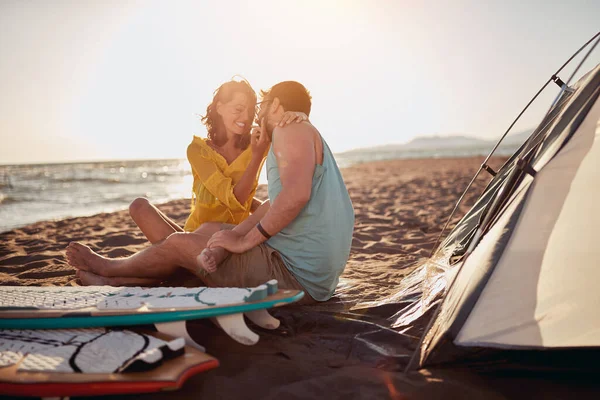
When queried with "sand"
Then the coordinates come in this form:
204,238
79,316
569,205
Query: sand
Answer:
401,207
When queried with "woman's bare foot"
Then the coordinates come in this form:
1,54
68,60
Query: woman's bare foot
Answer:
83,258
209,259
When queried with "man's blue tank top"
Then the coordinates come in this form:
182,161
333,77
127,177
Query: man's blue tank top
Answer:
316,245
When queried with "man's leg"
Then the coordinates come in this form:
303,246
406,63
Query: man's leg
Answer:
157,261
211,258
255,267
155,225
89,278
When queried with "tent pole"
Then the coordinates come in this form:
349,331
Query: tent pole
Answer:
484,164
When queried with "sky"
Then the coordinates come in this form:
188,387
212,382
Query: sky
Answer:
104,80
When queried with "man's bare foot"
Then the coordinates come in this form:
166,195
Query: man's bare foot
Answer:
83,258
209,259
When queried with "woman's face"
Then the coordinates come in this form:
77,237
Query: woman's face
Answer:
236,114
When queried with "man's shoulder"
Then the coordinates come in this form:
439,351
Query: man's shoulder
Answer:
294,131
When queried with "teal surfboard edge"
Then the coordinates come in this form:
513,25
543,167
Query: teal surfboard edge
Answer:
88,321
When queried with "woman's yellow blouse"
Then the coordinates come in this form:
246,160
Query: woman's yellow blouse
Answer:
213,199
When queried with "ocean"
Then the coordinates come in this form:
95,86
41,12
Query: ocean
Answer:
31,193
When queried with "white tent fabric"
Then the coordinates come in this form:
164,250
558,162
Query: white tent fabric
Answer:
543,291
525,260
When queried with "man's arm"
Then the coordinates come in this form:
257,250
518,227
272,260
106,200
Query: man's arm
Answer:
294,149
250,222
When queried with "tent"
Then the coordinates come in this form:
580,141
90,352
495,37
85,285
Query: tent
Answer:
516,280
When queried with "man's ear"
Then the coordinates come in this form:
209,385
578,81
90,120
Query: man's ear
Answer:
275,105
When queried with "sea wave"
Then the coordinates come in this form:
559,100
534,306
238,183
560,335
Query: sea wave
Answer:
137,177
7,199
89,180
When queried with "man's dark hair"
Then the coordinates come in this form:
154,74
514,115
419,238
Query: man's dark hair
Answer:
292,96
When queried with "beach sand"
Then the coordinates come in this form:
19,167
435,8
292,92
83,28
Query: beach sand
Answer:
401,207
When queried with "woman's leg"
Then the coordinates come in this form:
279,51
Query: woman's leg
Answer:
155,225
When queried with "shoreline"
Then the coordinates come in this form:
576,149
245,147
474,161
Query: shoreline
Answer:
261,192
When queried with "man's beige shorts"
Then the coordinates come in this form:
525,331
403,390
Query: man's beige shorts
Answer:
254,267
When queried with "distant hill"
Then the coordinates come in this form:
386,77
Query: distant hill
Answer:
434,142
517,138
431,143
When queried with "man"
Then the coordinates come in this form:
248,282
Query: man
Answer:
301,236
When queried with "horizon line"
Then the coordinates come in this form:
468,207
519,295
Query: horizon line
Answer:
107,160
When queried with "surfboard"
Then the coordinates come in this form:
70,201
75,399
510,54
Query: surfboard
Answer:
165,307
95,361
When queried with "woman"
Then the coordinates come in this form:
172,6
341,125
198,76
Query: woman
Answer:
225,167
